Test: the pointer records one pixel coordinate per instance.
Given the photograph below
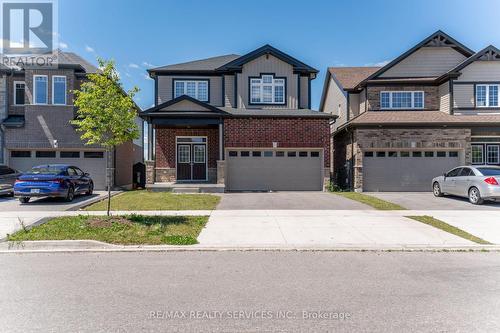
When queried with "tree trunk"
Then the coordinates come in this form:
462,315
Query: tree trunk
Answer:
108,177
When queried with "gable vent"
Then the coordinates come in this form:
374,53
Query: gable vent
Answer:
490,55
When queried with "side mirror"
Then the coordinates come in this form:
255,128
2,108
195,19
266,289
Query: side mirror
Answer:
86,174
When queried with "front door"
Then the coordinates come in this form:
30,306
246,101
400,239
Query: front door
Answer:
191,161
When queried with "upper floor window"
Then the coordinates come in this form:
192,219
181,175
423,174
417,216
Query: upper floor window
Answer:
193,88
19,88
487,95
267,90
40,89
59,90
402,100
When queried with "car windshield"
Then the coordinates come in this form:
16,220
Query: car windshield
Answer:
489,171
46,170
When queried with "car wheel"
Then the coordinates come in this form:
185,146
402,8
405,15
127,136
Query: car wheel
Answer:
91,189
436,189
24,199
475,196
71,194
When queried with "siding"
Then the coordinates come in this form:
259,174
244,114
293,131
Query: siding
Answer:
444,97
425,62
335,103
354,105
165,92
463,96
362,101
267,64
229,90
304,92
481,71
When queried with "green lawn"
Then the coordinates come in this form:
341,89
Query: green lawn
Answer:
370,201
429,220
148,200
127,230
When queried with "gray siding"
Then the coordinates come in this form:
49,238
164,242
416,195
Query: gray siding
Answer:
481,71
336,103
463,95
362,101
354,105
267,64
165,91
304,92
427,61
229,90
444,97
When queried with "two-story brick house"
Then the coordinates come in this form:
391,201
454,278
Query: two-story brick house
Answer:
433,108
35,122
241,121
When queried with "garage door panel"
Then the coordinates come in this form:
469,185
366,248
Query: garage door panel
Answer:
274,173
96,167
412,174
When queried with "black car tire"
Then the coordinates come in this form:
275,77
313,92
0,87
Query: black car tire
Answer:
436,190
475,196
24,199
91,189
71,194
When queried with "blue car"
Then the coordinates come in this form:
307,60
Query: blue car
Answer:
53,180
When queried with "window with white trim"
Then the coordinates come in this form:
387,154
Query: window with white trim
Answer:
19,90
40,84
477,154
59,90
402,100
267,90
487,95
193,88
493,154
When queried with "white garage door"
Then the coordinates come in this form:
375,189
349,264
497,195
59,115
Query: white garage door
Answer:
405,171
93,162
276,170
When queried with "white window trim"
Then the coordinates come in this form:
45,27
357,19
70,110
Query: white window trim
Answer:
273,85
15,92
46,90
197,82
498,155
487,96
482,154
65,89
403,91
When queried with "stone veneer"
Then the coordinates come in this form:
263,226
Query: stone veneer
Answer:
391,139
431,95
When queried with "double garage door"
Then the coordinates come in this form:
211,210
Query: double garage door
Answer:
92,162
274,170
405,171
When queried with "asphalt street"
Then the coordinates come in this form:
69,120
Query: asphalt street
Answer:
250,291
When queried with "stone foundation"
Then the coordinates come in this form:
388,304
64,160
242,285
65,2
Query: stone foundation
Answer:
165,175
221,172
150,172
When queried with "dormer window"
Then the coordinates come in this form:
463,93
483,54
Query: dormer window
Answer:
267,89
487,95
402,100
193,88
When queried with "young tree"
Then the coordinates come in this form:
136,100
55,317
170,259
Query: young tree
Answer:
105,113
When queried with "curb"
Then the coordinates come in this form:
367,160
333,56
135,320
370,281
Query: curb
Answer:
74,246
92,201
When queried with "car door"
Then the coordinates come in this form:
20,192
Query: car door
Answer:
83,181
73,178
449,181
463,181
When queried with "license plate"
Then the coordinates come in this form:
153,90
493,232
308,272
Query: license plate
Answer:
35,190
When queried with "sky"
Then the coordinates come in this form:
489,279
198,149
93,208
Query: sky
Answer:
144,34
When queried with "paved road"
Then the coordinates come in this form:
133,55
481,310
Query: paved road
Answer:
288,200
427,201
380,292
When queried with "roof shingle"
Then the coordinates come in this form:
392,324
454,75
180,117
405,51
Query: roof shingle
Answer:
208,64
350,77
420,118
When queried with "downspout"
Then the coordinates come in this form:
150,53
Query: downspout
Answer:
2,130
351,172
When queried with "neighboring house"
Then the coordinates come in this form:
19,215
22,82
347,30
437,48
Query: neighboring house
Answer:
35,116
434,107
242,121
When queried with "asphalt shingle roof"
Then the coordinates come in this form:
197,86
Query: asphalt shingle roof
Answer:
420,118
208,64
350,77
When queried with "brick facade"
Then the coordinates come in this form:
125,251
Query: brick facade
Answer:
431,95
287,132
165,151
385,139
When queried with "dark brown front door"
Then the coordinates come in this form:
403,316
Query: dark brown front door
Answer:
191,161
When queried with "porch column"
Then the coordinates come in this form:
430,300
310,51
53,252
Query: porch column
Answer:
221,141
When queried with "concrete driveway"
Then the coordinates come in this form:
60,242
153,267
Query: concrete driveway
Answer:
427,201
287,200
48,204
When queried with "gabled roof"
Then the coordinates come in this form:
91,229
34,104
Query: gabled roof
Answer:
236,64
350,77
158,108
208,64
439,38
488,53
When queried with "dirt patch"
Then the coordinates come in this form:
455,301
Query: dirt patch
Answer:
106,222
